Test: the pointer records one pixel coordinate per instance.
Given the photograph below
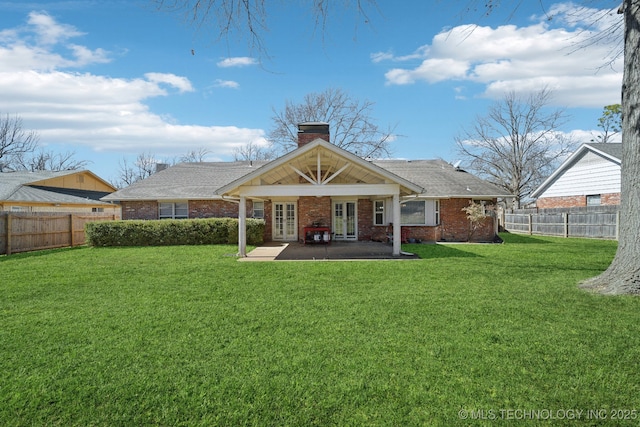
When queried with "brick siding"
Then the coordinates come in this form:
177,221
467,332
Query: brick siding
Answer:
609,199
140,210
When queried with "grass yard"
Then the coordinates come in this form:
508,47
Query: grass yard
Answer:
468,335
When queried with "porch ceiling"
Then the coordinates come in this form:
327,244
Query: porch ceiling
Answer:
319,167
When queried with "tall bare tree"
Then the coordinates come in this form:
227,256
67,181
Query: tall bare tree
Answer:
143,167
48,160
253,151
15,142
195,156
517,144
352,127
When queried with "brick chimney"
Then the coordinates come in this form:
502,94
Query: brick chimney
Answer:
310,131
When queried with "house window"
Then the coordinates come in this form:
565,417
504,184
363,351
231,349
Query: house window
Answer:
593,200
174,210
378,212
420,212
258,210
97,209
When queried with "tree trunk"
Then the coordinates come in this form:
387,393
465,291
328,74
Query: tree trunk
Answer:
623,275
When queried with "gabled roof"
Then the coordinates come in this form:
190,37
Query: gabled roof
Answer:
24,186
334,161
611,151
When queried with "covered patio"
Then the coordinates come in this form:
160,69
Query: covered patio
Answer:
336,251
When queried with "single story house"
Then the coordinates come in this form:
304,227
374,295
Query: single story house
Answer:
70,191
589,177
319,191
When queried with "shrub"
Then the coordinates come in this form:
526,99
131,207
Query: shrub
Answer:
209,231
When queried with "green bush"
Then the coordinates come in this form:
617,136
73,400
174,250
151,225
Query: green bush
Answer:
209,231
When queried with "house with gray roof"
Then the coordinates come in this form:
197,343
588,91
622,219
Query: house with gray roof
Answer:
318,193
589,177
71,191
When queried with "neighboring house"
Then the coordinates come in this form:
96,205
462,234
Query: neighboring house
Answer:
589,177
323,186
73,191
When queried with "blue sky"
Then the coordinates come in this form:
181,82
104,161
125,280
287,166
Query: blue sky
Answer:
110,79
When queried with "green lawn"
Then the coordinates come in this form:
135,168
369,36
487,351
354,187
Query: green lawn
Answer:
189,336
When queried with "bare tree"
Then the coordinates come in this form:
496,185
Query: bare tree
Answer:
15,142
49,160
249,18
517,144
143,167
610,122
195,156
253,151
352,127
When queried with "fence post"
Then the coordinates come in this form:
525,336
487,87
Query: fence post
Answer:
8,234
530,224
565,221
71,229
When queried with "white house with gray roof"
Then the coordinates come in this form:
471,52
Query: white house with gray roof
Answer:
589,177
319,193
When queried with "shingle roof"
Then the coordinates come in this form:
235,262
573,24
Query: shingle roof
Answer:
613,149
440,179
185,181
20,186
201,180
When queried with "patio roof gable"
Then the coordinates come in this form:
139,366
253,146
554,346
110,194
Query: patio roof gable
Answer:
316,165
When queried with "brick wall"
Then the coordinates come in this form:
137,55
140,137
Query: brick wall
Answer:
576,201
366,229
197,209
139,210
455,225
216,209
313,209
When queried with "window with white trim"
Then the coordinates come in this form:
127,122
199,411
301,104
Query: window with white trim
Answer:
174,210
420,212
378,212
593,200
258,210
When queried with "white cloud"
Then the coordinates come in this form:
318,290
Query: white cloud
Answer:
98,112
181,83
241,61
521,58
227,83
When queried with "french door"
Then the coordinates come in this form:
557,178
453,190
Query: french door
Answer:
285,223
345,226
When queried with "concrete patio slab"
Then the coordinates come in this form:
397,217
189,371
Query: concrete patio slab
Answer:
294,251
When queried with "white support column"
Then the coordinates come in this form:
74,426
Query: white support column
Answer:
242,227
397,238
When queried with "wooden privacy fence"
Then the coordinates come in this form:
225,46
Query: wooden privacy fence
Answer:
22,232
595,225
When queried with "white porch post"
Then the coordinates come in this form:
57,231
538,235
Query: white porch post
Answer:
242,227
397,239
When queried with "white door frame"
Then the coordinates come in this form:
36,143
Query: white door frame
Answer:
289,233
344,218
